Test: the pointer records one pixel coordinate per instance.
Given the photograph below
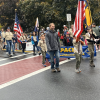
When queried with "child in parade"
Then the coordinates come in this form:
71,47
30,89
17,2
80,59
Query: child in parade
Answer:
42,45
77,43
23,42
34,40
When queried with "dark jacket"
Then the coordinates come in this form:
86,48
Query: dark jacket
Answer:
52,41
67,42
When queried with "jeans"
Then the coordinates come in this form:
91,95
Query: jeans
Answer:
23,47
56,54
35,45
9,44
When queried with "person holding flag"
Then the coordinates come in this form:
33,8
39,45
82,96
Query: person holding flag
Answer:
77,31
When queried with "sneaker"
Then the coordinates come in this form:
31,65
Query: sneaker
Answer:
53,70
44,65
92,65
76,70
39,54
10,55
79,70
58,70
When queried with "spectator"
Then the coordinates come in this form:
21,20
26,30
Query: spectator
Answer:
58,32
67,40
42,45
62,37
65,30
34,40
53,46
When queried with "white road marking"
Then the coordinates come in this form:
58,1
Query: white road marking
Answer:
15,56
30,75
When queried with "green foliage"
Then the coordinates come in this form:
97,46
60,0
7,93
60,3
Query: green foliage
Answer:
46,10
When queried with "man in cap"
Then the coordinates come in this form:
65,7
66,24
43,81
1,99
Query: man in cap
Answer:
8,38
90,41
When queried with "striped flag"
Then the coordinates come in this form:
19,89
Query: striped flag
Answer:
79,20
17,27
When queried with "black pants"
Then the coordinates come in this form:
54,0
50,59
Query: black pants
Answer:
23,47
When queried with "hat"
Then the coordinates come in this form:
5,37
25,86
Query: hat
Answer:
8,28
41,34
89,28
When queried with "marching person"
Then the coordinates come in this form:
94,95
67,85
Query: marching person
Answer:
42,45
8,38
53,46
23,42
90,42
77,43
34,40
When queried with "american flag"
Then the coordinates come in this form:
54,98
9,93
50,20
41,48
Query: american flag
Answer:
17,27
79,20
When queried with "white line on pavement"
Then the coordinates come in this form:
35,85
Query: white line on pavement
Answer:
30,75
15,56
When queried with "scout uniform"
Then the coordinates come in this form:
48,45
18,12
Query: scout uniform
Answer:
42,44
23,42
90,42
78,53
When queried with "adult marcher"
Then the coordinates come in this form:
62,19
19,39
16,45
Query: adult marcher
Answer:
53,47
96,29
77,43
3,36
23,42
8,38
15,40
90,42
43,46
71,31
34,40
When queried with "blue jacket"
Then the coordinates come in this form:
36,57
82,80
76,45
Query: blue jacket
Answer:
33,43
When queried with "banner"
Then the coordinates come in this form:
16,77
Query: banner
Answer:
29,46
68,52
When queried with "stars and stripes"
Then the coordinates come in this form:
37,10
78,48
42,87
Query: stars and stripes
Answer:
17,27
79,20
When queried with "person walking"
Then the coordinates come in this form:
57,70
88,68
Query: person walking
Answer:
23,42
77,43
53,47
8,38
34,40
43,46
90,42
